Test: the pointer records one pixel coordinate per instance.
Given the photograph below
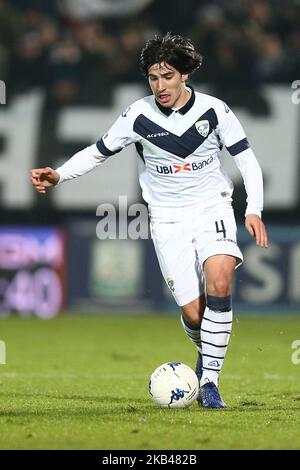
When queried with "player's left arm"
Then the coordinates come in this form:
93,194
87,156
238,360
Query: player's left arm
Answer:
233,136
257,229
253,181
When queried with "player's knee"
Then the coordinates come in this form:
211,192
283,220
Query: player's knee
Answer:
219,287
194,322
191,316
193,311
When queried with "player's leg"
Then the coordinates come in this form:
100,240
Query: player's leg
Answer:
173,242
191,318
217,321
216,326
219,254
177,256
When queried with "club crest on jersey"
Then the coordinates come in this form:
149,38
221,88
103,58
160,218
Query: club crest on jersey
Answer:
202,127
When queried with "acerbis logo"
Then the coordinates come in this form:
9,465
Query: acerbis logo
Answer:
157,134
173,169
225,240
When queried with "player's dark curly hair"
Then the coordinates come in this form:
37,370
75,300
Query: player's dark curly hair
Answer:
173,50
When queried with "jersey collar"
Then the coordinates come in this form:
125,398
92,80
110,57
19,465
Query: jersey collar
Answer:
183,110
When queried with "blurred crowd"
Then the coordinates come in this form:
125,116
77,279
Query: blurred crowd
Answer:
77,50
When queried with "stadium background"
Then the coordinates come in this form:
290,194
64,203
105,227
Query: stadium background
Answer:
69,68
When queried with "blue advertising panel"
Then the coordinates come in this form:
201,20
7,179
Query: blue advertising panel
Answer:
103,273
125,273
269,279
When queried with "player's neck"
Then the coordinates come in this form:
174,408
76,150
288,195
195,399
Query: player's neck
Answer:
183,99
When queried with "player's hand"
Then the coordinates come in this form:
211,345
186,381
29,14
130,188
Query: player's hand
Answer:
44,178
257,229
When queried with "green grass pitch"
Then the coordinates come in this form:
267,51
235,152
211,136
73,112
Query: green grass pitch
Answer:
81,382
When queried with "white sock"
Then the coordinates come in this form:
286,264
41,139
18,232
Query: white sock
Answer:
192,333
215,336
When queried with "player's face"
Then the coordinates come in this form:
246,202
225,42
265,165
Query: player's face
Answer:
168,85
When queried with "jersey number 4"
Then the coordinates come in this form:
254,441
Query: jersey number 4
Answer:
220,227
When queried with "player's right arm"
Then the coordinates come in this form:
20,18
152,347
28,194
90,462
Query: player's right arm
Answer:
82,162
119,136
44,178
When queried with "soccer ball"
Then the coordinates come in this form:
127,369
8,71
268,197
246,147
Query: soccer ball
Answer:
173,385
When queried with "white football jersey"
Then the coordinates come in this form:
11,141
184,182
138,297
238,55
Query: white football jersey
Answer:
179,152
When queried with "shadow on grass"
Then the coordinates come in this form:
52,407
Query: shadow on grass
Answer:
116,412
91,405
85,398
108,405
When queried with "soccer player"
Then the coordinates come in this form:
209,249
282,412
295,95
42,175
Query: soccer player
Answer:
178,134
